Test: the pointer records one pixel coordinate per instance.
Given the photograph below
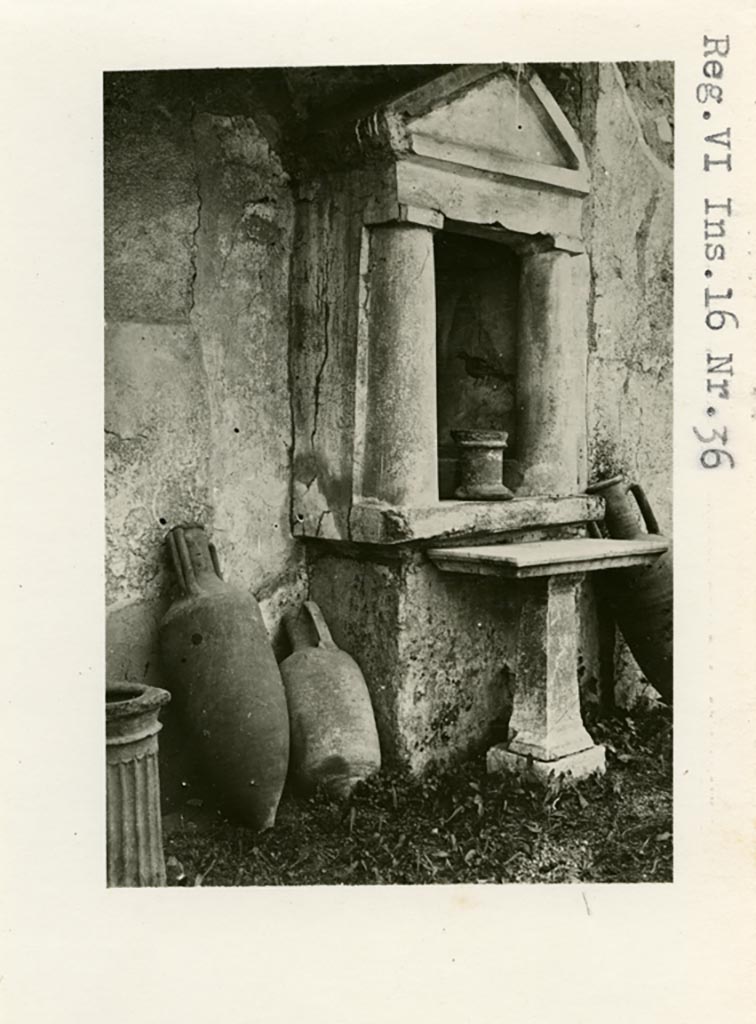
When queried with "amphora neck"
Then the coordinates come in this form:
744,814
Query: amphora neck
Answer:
621,513
194,558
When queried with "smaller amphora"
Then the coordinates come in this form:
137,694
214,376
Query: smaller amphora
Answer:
334,740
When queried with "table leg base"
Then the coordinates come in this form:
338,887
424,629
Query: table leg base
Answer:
579,765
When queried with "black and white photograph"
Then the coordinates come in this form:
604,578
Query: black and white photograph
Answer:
388,400
379,418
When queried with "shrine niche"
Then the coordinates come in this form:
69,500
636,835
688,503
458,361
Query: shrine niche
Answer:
438,284
477,285
439,297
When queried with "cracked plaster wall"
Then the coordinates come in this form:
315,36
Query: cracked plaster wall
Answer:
624,115
630,228
627,125
198,221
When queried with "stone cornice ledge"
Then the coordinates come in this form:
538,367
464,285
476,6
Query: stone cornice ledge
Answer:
378,523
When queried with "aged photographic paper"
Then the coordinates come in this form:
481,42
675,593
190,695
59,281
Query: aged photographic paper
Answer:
410,312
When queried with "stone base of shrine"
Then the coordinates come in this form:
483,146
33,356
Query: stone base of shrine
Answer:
578,765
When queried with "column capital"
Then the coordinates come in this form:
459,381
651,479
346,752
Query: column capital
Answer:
385,212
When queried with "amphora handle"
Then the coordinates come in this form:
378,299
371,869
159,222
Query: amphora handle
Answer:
645,508
215,560
308,628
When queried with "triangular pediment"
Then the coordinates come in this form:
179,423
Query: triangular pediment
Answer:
497,119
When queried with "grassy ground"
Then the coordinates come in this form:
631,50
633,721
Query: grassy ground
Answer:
461,826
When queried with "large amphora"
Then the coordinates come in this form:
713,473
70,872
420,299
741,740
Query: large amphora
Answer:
225,682
641,597
334,741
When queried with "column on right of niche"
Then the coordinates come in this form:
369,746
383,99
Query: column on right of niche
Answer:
551,373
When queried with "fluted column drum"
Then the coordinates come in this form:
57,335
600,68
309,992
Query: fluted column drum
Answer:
135,840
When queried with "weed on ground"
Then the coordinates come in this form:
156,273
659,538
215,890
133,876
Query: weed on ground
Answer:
461,826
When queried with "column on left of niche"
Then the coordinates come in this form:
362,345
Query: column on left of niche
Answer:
400,462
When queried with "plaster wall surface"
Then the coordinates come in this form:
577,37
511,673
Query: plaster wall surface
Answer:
198,221
630,225
325,283
628,118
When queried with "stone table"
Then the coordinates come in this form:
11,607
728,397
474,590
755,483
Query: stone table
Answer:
546,727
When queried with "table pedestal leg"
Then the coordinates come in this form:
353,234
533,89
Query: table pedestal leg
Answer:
546,728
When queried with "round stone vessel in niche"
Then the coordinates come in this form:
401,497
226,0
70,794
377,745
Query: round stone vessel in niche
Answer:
481,465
